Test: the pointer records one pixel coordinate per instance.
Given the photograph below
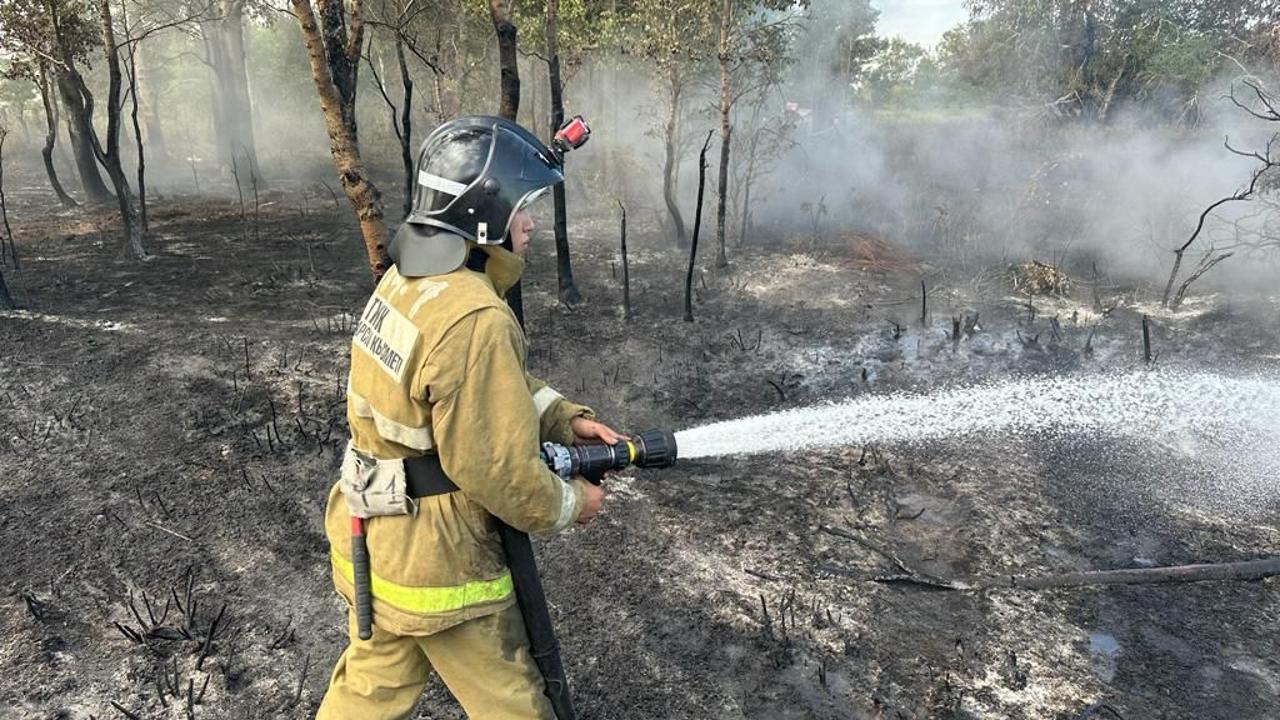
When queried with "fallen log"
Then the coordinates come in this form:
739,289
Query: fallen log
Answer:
1244,570
1204,572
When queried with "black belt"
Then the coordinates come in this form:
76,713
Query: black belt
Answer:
425,477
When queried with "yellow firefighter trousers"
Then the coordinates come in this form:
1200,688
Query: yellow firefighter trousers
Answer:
484,662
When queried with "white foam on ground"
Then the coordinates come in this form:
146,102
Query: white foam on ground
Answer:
1230,425
80,323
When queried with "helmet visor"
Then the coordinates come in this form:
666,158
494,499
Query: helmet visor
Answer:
525,203
532,197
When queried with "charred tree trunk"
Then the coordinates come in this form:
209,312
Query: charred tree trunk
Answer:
401,116
79,109
406,126
137,140
1173,275
509,102
564,266
334,57
233,111
4,216
626,270
131,243
726,130
671,163
697,225
1206,264
79,106
6,300
51,137
137,127
509,68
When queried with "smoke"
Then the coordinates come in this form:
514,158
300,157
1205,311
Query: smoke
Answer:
965,183
961,186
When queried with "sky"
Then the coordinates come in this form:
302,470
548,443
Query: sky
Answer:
919,21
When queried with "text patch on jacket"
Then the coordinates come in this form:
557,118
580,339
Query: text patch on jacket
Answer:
386,335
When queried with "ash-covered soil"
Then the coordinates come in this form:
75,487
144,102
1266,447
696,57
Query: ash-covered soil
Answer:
170,428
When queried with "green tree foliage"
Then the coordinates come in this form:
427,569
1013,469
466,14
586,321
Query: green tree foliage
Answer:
890,76
48,31
1085,57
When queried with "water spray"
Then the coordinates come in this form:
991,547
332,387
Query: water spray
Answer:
1230,425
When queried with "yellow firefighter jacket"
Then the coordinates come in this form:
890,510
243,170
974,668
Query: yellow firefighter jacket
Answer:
438,366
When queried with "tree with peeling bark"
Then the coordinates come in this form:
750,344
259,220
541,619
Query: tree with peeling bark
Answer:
333,51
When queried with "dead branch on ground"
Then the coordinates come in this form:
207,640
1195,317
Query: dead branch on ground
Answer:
1244,570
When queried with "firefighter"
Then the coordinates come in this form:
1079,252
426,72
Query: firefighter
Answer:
445,431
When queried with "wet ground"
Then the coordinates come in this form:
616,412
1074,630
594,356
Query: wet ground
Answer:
170,428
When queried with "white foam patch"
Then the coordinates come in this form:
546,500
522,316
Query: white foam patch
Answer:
81,323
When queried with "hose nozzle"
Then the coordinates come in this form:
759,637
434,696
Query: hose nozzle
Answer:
649,449
654,449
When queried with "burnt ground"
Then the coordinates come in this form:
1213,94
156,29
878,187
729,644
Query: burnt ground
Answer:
170,429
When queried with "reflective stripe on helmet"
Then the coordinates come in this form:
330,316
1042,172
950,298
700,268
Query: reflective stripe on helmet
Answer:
443,184
426,598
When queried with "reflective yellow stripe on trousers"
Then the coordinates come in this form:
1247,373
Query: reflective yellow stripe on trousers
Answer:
430,599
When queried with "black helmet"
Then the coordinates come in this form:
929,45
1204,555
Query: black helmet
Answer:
474,174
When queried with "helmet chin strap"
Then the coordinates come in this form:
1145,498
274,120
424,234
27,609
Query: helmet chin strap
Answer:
477,259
